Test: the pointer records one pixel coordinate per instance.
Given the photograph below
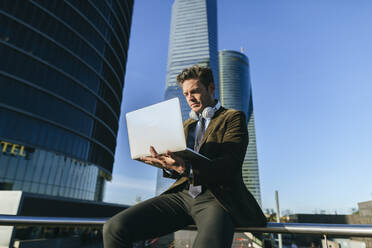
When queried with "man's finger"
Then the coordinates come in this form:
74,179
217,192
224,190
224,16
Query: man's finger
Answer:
153,151
152,160
171,155
168,160
174,157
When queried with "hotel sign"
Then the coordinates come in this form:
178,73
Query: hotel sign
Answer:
12,148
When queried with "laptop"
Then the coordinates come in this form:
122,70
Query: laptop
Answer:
159,125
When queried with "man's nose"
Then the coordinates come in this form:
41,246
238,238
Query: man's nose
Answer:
190,97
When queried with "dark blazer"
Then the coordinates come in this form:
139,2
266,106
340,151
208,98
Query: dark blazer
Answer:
225,142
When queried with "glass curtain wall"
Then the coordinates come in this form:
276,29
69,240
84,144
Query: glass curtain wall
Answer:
61,78
236,93
193,40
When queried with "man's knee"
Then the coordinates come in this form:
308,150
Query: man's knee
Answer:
109,227
116,228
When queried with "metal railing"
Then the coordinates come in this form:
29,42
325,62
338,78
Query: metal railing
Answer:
15,220
291,228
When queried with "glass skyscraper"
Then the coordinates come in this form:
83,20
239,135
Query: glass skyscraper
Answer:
193,40
62,73
236,93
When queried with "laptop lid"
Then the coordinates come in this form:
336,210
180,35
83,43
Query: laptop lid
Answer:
158,125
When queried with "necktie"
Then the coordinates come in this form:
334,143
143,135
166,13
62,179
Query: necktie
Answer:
200,130
194,191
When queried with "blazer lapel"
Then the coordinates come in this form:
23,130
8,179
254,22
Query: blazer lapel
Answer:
186,129
211,126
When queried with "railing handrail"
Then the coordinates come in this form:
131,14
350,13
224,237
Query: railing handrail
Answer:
16,220
291,228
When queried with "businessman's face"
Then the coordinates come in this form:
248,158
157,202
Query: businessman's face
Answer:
197,95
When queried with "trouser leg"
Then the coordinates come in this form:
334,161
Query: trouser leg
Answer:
152,218
215,225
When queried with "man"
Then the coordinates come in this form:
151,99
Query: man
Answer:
210,194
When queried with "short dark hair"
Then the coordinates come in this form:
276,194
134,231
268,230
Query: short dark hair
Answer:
202,74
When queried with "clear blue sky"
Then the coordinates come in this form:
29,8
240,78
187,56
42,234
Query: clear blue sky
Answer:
311,73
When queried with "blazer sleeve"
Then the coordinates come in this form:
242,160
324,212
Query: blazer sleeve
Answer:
175,175
170,174
225,166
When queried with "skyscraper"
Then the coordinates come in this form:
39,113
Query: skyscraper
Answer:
193,40
61,79
236,93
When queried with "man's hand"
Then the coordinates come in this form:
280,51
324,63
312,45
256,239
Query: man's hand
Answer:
168,161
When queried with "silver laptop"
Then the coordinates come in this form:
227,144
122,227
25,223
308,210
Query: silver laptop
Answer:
159,125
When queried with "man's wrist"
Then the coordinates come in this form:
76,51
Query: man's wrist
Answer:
187,170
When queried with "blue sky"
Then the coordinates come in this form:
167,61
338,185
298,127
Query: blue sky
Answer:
311,73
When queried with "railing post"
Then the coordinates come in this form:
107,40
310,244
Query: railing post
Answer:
278,218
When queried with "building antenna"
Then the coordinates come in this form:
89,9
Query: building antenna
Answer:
278,217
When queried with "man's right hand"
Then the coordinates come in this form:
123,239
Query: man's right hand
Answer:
167,161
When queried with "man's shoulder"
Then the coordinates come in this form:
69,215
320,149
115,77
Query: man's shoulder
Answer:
231,113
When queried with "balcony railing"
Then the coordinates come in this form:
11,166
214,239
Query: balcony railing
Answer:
291,228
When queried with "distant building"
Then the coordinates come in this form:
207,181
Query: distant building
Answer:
302,240
193,40
363,216
236,93
319,218
62,74
365,211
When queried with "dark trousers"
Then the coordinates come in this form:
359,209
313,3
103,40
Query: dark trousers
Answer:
168,213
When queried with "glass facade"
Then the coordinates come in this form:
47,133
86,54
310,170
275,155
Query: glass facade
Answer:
61,79
236,93
193,40
39,171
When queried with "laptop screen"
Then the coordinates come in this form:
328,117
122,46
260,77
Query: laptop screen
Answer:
159,125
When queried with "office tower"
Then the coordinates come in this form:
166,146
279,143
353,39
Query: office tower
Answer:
193,40
62,73
236,93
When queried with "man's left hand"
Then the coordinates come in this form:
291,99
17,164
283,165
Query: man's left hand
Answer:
167,161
